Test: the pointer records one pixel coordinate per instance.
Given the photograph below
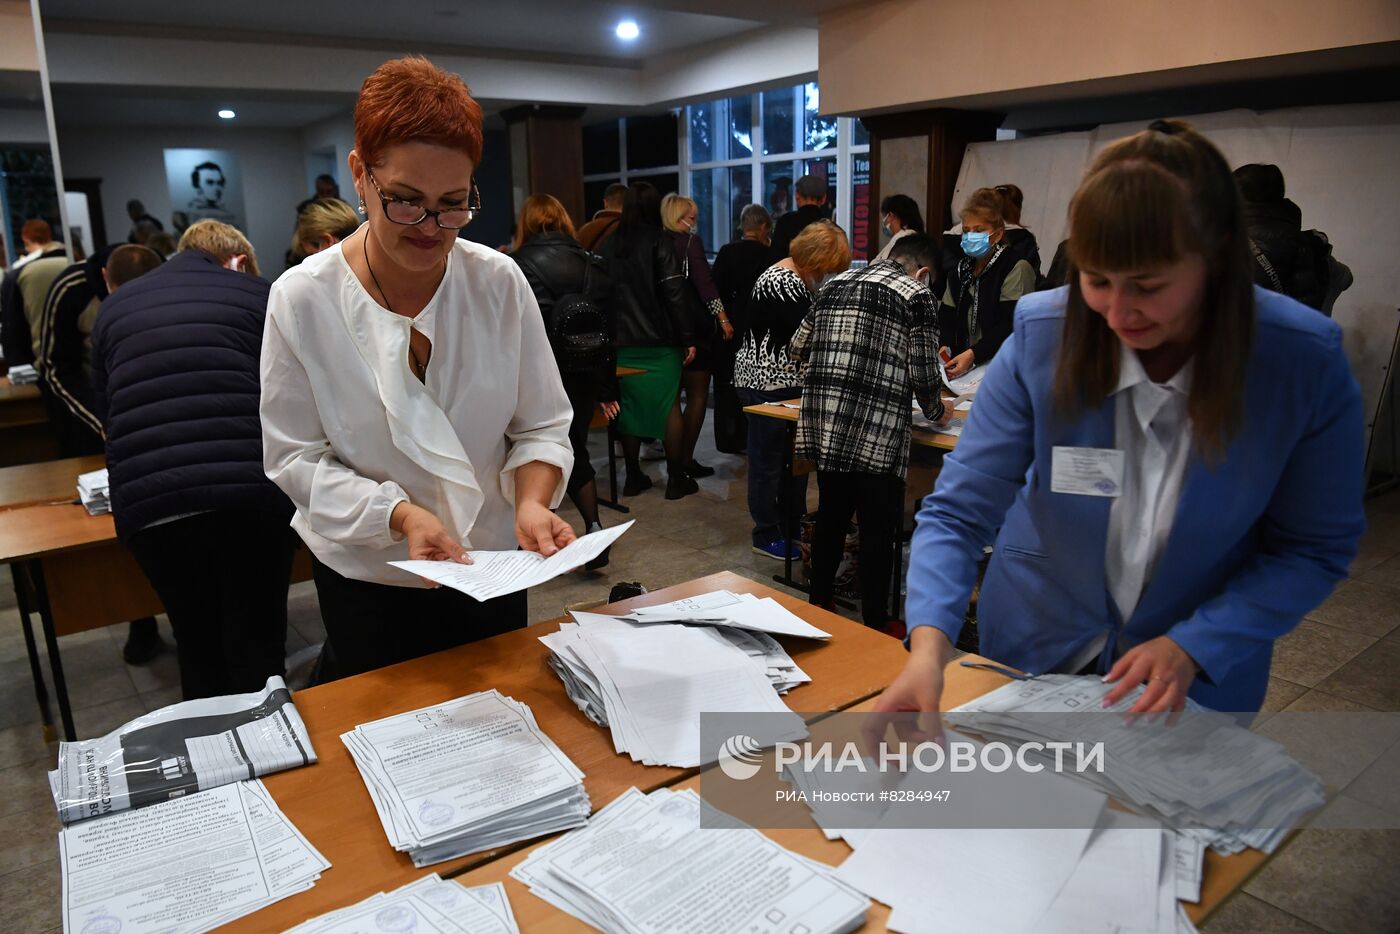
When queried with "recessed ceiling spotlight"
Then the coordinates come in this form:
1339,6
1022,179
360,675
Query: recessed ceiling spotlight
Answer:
627,30
227,114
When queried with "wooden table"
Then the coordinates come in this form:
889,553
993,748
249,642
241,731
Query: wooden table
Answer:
328,801
1222,877
25,435
787,412
70,568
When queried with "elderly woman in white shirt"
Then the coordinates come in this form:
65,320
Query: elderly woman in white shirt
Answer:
411,407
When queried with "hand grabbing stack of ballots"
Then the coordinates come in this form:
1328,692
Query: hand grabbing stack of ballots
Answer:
466,775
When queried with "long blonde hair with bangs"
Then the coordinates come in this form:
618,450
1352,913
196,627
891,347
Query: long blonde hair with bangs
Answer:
1146,202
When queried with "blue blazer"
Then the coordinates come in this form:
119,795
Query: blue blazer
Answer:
1257,541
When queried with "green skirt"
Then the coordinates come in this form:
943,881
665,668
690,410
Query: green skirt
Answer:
647,397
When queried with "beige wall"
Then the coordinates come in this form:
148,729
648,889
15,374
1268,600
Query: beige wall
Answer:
17,49
902,53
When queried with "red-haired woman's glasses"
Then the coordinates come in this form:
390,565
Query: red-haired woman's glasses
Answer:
408,214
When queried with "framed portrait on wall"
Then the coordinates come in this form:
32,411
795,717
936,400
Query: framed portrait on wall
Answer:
204,184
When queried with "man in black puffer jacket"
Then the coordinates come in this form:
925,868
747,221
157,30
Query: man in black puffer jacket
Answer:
175,381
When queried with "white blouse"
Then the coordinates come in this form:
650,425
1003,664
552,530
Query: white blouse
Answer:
894,238
349,432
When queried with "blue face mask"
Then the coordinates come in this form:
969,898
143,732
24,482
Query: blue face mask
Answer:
976,243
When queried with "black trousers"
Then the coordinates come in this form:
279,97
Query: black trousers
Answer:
582,390
223,578
875,500
371,625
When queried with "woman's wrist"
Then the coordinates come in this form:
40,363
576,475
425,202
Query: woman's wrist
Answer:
931,642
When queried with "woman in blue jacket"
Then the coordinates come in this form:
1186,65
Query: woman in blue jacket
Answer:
1168,460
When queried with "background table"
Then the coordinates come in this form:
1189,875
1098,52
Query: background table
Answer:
25,436
328,801
70,568
787,412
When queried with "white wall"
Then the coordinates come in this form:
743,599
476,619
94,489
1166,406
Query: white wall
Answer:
131,164
337,135
1339,164
23,126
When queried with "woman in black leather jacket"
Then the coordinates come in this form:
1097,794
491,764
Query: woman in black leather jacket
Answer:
649,313
556,265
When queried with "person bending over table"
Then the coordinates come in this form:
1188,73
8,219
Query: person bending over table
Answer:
405,407
1167,496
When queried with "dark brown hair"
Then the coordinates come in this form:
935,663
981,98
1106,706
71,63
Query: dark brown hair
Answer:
130,261
1011,200
1146,202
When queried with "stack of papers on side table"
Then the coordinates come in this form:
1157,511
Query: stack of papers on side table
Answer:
92,491
1202,774
467,775
644,864
23,374
649,682
187,865
428,906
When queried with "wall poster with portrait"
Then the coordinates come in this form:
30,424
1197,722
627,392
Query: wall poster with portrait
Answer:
204,184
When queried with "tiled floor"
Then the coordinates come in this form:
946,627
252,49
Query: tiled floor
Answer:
1345,656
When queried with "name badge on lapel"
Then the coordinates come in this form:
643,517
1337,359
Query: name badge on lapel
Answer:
1086,471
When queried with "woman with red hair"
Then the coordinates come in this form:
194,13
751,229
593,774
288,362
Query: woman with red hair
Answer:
404,409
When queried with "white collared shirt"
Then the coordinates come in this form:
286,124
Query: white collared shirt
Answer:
1153,430
349,432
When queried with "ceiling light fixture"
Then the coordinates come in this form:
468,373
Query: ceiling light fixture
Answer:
627,30
227,114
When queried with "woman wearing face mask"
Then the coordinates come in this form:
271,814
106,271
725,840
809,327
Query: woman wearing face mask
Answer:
981,294
403,408
1166,497
678,216
899,217
763,372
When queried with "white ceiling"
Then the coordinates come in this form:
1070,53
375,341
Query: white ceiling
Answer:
567,30
153,62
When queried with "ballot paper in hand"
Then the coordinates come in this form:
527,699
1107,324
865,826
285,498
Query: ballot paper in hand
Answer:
643,864
427,906
466,775
186,865
498,573
650,682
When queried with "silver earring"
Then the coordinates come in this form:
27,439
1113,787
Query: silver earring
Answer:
362,206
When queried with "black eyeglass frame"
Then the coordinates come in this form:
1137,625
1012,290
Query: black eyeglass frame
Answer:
473,207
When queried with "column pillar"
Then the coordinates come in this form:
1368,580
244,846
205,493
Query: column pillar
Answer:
546,155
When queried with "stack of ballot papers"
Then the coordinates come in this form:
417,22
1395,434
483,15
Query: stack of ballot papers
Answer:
649,681
643,864
467,775
92,492
23,374
498,573
428,906
187,865
1202,773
